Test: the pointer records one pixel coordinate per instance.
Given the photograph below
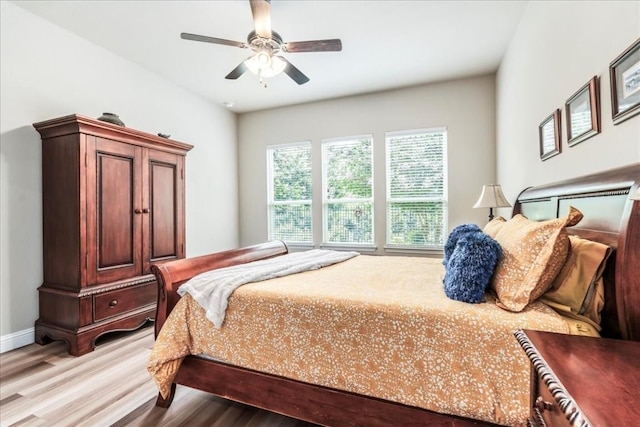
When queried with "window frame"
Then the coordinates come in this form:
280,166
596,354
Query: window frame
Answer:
270,193
444,199
364,246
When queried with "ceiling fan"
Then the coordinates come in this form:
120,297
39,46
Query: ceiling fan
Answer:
267,45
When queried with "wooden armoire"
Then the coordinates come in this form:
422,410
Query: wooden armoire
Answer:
113,203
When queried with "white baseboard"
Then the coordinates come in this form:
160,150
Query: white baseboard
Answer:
17,340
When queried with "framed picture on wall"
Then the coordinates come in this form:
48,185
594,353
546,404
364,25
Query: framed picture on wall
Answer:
549,133
583,112
625,84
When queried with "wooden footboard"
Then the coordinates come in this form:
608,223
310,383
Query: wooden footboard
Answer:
171,275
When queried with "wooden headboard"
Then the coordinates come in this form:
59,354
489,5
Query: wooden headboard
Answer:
610,217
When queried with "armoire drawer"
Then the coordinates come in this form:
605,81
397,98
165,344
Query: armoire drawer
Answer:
112,303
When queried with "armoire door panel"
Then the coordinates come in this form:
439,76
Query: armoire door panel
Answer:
114,225
115,211
163,177
162,219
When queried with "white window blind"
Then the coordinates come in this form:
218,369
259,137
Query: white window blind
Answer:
416,188
347,169
289,192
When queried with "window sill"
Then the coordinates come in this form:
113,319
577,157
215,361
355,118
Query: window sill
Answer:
298,247
349,247
427,251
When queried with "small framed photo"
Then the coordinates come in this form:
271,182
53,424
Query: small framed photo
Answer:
625,84
549,132
583,112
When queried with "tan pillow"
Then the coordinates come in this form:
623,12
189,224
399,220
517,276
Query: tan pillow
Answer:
579,287
593,306
533,254
494,226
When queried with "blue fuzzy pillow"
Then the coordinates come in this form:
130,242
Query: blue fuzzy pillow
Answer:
470,267
455,235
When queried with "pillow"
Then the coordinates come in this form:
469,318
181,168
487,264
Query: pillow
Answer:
533,255
593,306
453,238
494,226
470,267
579,287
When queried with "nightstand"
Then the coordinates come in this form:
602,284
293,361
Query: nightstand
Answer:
582,381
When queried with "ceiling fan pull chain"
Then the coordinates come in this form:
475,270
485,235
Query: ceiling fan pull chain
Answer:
261,80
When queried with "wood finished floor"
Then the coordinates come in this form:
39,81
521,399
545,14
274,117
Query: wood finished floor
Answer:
45,386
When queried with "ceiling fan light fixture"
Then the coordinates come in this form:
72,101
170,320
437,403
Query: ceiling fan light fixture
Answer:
258,62
264,64
263,59
277,66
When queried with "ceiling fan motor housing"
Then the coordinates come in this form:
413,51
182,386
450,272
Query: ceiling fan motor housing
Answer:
257,43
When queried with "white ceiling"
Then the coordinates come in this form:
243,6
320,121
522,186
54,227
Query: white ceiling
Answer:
386,44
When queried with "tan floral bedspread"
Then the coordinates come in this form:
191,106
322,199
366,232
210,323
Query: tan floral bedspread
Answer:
380,326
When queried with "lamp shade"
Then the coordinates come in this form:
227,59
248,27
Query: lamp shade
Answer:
635,195
492,197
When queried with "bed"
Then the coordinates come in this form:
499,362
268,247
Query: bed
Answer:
320,396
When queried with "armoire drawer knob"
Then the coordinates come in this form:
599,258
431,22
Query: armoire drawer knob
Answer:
543,405
113,303
138,211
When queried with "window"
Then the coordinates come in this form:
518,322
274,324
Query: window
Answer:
416,188
347,190
289,192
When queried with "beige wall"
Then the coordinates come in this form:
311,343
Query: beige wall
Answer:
48,72
466,107
557,48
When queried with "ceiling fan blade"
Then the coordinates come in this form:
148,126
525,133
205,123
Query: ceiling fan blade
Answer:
237,72
294,73
215,40
329,45
261,11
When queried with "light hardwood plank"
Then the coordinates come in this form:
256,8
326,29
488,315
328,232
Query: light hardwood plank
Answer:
45,386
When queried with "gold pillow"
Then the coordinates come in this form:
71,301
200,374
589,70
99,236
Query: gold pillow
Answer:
579,287
494,226
533,254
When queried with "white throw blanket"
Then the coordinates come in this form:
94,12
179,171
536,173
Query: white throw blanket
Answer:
212,289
